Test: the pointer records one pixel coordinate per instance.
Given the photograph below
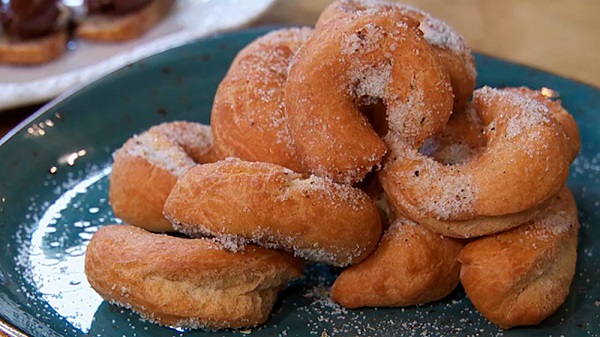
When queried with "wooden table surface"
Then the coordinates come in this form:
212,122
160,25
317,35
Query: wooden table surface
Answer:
560,36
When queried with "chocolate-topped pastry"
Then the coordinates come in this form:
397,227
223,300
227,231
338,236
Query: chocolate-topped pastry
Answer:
33,31
115,7
27,19
121,20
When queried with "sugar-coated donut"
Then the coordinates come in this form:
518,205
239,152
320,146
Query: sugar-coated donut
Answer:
451,46
353,61
186,283
248,117
411,265
238,202
522,276
526,148
146,168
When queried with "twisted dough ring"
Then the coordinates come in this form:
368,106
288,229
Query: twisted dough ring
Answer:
411,266
450,45
146,168
248,115
529,144
186,283
522,276
357,58
272,206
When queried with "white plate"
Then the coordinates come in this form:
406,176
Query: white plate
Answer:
88,61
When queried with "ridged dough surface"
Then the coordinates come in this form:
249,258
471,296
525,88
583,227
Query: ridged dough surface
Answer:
186,283
411,266
248,116
349,63
452,48
240,202
525,145
522,276
146,168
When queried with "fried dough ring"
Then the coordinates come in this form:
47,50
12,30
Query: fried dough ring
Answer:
186,283
248,119
450,45
526,146
272,206
411,265
146,168
356,59
522,276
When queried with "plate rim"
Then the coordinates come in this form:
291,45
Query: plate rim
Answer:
28,93
82,86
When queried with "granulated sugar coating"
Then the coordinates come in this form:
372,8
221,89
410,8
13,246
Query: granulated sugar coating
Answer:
173,147
248,116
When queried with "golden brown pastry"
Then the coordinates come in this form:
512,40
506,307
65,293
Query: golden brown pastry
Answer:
248,116
525,145
411,265
356,60
111,26
452,48
186,283
146,168
239,201
522,276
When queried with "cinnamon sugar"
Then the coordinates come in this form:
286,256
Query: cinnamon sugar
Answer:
365,40
172,146
159,151
526,114
452,190
371,81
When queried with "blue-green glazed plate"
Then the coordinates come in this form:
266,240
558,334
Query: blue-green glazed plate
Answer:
54,173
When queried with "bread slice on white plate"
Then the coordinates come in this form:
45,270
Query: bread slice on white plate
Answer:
113,28
33,51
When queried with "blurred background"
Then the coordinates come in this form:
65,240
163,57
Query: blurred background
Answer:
560,36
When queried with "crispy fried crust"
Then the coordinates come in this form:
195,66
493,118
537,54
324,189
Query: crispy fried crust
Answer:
451,46
522,276
411,265
363,55
34,51
124,27
186,283
526,145
270,205
248,116
146,168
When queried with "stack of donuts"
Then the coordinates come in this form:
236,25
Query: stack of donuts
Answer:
355,144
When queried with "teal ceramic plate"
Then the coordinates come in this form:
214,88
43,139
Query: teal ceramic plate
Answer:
53,196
